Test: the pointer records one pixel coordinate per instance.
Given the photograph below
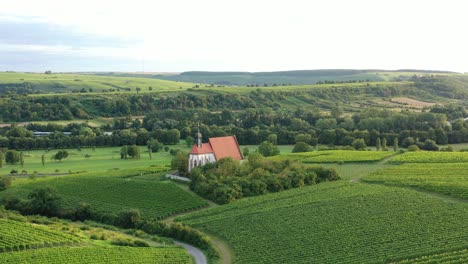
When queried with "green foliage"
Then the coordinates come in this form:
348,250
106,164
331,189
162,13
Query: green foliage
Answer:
267,149
413,148
245,152
154,145
2,156
301,147
189,141
226,180
359,144
448,178
43,201
61,154
367,223
180,163
12,157
455,257
5,182
128,218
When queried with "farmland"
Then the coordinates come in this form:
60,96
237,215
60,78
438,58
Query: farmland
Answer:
17,235
448,178
98,255
333,156
350,222
454,257
431,157
104,192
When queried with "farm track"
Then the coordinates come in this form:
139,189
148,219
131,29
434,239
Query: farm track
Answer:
377,165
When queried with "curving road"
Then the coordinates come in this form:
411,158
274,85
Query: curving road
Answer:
195,252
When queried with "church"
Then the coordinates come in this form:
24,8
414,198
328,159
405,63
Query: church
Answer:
216,149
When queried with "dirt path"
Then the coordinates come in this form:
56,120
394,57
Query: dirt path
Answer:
196,253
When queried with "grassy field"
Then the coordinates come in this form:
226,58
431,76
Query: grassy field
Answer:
335,223
454,257
60,83
114,191
446,178
100,159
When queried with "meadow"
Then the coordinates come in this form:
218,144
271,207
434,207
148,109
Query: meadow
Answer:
99,159
114,191
335,223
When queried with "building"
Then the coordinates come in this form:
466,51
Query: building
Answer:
216,149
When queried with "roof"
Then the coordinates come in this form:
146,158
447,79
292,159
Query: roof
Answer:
225,147
205,149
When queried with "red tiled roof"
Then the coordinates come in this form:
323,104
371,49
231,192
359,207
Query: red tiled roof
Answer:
205,149
226,147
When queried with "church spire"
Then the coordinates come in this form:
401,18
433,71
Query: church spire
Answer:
199,137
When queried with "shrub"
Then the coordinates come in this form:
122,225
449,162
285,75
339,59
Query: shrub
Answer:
413,148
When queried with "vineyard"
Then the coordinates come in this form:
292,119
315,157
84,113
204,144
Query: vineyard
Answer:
95,255
431,157
333,156
449,178
111,194
335,223
455,257
16,235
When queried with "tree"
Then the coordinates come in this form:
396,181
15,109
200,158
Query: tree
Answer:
44,202
60,155
273,139
430,145
180,163
378,145
384,144
123,152
12,157
43,160
301,147
245,152
21,159
189,141
154,145
138,89
359,144
5,182
413,148
267,149
129,218
395,144
1,159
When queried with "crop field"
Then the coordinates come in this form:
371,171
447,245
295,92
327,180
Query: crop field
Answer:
114,191
333,156
97,255
62,83
431,157
15,235
335,223
454,257
100,159
447,178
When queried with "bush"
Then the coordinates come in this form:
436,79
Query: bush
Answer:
5,182
413,148
128,218
301,147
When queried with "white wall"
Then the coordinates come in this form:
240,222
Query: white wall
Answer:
200,160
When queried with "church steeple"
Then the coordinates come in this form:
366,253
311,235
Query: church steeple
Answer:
199,137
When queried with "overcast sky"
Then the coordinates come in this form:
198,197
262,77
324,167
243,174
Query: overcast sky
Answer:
235,35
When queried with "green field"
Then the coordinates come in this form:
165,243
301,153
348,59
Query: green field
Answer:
60,83
431,157
17,235
114,191
447,178
335,223
333,156
100,159
80,255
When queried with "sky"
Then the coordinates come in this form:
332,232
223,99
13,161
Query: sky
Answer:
234,35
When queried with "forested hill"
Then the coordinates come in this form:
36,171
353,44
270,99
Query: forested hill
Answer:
292,77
